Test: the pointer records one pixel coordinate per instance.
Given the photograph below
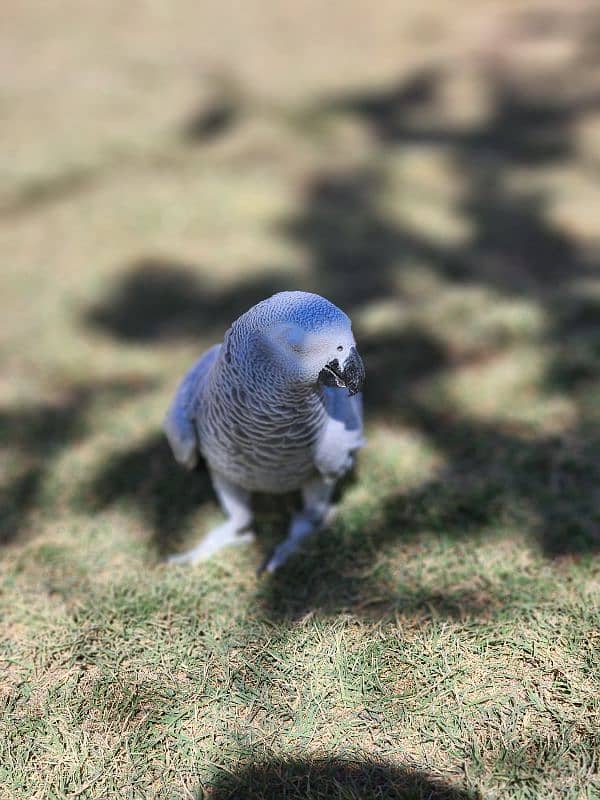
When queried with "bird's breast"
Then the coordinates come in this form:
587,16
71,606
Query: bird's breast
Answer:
262,445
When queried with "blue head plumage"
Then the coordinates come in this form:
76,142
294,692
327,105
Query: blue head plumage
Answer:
309,311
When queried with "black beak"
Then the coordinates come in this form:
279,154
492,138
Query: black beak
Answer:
351,375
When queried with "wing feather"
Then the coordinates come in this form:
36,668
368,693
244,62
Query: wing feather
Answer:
179,423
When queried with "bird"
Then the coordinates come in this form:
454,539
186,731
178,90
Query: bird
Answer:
275,408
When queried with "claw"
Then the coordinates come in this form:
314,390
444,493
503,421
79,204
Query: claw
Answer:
276,559
263,566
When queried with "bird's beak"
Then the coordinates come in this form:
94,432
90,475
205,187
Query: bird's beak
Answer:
351,375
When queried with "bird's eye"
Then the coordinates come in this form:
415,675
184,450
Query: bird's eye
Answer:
340,348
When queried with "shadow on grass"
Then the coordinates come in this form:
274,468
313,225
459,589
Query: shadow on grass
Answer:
545,483
355,252
147,477
37,435
331,778
161,299
523,128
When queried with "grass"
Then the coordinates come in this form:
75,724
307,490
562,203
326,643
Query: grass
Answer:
442,639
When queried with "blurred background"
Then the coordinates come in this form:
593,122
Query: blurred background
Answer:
432,168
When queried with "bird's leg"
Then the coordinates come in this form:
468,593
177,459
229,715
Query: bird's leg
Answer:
316,497
235,502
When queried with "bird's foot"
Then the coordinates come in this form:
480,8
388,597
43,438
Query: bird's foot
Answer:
212,543
277,558
301,530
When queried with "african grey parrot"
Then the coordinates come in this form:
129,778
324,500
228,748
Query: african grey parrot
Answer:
276,407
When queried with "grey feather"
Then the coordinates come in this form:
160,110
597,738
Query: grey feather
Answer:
179,424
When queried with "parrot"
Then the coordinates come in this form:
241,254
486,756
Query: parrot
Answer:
275,408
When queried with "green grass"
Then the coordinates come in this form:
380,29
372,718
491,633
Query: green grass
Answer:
441,640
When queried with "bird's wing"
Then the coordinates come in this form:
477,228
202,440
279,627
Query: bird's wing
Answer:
179,422
342,434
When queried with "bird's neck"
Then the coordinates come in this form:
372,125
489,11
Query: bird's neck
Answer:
260,389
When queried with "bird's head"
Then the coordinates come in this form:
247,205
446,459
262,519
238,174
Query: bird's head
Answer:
311,340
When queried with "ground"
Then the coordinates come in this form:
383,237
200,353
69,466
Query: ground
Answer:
434,170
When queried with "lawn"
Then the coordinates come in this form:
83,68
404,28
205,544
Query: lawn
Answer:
435,171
